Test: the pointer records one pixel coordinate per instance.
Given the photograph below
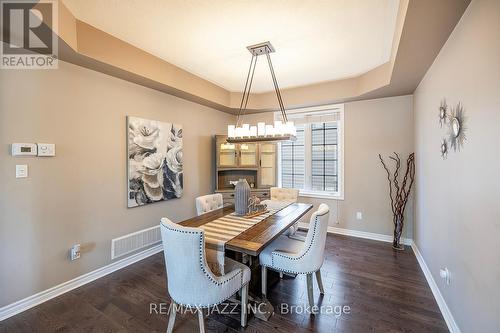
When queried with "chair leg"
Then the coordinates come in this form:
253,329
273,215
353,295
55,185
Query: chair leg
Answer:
263,279
244,305
201,320
310,289
320,282
171,318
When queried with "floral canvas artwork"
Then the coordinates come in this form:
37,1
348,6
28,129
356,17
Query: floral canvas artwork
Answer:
154,161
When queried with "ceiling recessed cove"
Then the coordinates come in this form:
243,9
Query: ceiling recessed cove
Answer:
316,41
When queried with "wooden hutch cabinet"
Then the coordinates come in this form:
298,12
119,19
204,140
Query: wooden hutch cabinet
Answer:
256,162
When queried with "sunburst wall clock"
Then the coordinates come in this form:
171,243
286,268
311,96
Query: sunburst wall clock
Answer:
443,113
457,129
444,148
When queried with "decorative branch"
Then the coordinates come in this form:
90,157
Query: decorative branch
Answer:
390,184
399,193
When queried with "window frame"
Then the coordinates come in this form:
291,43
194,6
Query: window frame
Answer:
318,111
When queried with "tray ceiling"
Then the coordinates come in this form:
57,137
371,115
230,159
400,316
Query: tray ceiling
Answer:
315,41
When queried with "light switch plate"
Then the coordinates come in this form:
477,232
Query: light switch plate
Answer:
46,149
359,215
21,171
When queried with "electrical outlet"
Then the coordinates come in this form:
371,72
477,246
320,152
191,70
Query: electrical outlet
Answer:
445,275
359,215
74,252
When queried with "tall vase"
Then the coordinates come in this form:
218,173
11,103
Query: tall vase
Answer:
241,195
398,231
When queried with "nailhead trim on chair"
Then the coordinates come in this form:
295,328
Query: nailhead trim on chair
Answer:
291,272
207,274
295,258
202,266
303,254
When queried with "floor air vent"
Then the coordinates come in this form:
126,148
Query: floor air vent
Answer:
135,241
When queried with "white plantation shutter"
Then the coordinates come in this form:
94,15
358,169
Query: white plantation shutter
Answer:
293,161
313,163
312,117
324,157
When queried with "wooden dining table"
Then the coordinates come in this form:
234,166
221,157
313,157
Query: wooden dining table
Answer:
256,238
252,241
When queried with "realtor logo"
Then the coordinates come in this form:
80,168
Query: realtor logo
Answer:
29,34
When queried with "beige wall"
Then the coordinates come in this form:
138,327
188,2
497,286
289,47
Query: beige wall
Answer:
371,127
79,196
457,201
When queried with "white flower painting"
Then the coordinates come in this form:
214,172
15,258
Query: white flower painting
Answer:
154,161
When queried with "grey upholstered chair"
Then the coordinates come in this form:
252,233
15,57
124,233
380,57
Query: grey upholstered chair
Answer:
190,281
292,256
209,202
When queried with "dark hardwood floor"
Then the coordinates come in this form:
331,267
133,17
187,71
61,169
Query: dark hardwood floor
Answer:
384,290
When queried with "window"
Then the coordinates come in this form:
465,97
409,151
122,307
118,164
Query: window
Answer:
313,163
293,161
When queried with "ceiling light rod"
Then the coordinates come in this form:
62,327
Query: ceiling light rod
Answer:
282,130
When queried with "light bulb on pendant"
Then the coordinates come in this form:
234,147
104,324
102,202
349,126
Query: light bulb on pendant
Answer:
277,127
269,130
253,131
231,131
261,129
291,128
246,130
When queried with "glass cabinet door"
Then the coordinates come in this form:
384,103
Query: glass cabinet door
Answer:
267,165
227,155
248,154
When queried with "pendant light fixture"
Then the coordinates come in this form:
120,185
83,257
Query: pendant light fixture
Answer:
281,130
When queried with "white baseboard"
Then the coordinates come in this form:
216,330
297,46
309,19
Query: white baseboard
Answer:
34,300
445,311
360,234
43,296
443,307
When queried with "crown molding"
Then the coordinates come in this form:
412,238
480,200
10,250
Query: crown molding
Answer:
414,48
